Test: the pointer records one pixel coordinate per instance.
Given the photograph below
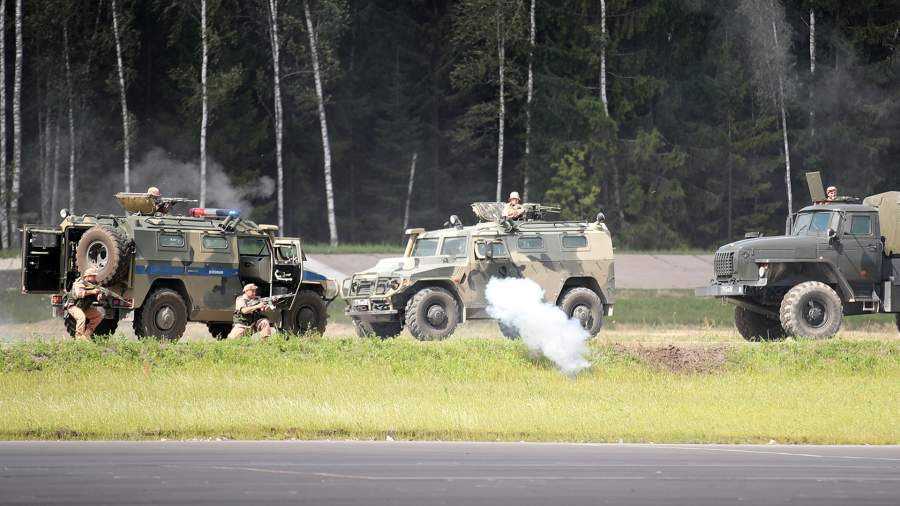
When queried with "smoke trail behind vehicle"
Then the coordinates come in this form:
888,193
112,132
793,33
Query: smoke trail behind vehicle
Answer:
543,327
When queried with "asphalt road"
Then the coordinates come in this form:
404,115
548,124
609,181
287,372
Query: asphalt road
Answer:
382,473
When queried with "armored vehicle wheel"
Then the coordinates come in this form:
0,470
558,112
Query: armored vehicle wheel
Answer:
508,331
897,318
106,249
107,326
383,330
585,306
432,314
219,330
811,309
309,314
755,327
163,315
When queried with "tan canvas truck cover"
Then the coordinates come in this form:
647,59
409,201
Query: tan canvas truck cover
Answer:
888,205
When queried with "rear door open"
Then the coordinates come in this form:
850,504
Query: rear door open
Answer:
42,260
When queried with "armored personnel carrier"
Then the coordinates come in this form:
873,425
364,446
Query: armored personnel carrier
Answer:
837,258
174,269
441,279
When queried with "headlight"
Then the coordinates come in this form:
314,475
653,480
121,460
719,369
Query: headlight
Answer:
763,270
345,287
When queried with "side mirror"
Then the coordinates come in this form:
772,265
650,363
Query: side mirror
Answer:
63,213
832,235
601,217
455,221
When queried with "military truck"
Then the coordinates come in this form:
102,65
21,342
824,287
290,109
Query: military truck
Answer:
441,279
837,258
174,269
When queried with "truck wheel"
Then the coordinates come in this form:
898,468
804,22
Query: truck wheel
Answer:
309,314
382,330
897,318
585,306
508,331
219,330
813,310
163,315
107,326
106,249
432,314
755,327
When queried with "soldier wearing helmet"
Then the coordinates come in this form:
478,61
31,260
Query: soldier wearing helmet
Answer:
248,315
831,193
513,209
80,305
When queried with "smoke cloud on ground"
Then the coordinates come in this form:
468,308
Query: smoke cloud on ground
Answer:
543,327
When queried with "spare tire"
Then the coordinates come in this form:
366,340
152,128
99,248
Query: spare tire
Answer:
106,249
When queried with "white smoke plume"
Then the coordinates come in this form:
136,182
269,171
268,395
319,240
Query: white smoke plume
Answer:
543,327
177,178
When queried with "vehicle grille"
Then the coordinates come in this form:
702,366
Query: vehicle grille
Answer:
724,264
363,287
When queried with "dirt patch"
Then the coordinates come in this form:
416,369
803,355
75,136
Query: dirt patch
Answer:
689,359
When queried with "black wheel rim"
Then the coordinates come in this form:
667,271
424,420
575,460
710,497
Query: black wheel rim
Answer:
436,315
583,314
815,313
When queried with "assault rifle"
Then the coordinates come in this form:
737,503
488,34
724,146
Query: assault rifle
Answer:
274,300
106,292
165,204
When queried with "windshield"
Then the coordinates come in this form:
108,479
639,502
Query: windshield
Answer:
812,223
425,248
454,246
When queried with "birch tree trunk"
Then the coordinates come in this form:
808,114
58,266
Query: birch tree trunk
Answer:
4,196
276,67
603,37
323,123
17,128
784,130
812,72
205,113
126,138
501,119
71,121
529,99
409,190
54,190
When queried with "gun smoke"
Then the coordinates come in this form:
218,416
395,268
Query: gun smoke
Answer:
543,327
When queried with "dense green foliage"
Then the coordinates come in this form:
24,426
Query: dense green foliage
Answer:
690,154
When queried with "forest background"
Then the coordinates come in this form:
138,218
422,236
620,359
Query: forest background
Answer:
682,120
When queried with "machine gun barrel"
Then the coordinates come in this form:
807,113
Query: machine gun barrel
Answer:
274,300
176,200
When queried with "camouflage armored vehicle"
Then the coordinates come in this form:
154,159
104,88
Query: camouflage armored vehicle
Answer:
441,279
174,269
838,257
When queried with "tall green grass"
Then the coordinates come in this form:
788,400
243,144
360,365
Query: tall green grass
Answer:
360,249
815,392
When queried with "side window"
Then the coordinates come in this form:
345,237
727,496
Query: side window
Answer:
860,224
168,240
454,246
497,248
574,241
252,246
286,253
530,243
215,242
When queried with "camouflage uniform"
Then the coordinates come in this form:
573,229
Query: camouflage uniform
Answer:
244,323
513,211
80,306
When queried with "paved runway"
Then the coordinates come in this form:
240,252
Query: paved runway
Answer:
381,473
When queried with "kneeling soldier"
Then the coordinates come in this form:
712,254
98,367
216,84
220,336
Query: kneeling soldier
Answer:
248,315
79,305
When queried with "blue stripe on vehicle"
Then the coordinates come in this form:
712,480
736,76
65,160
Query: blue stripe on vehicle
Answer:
313,276
177,270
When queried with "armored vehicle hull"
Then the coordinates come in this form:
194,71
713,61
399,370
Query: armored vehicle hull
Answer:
440,282
175,269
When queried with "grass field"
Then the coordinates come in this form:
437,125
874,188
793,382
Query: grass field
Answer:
357,249
463,389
